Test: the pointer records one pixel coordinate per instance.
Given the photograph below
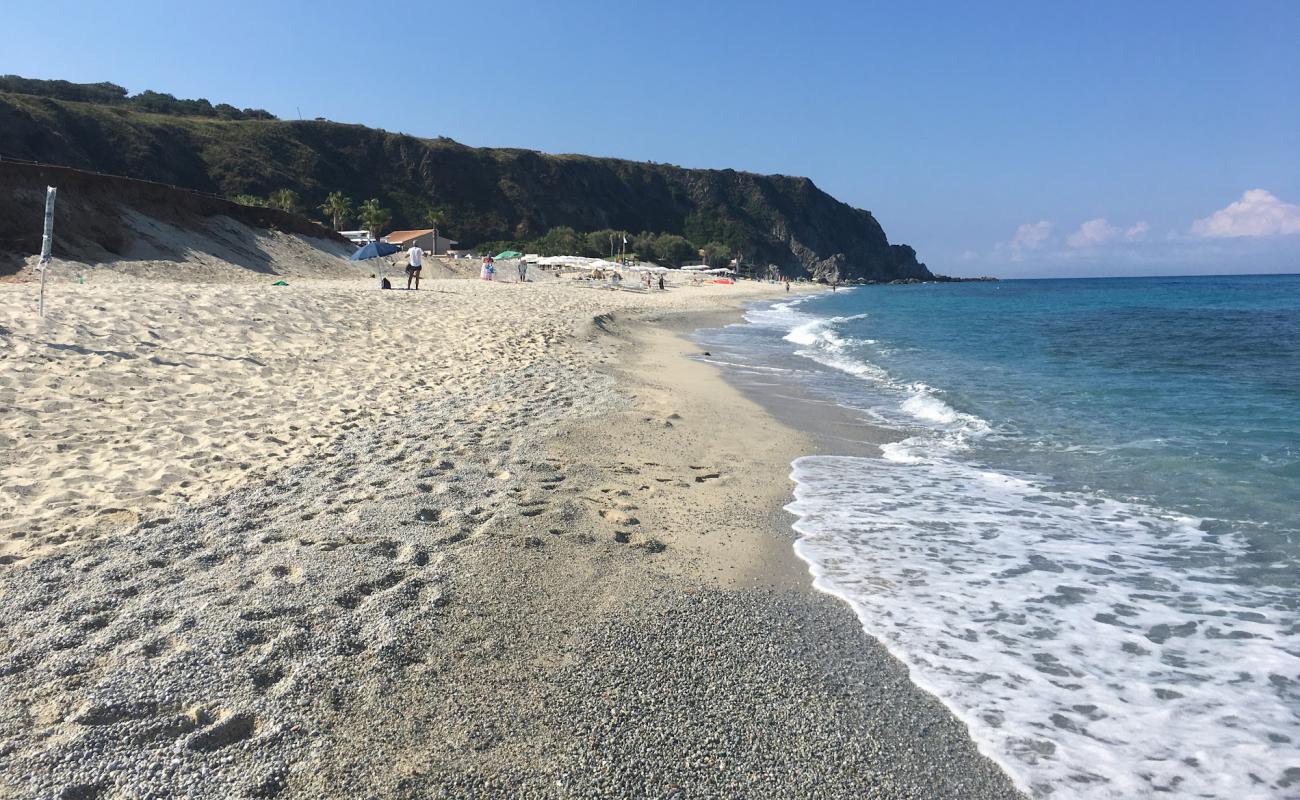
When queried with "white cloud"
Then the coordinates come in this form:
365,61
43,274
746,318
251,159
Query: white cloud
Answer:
1137,232
1258,213
1092,233
1031,235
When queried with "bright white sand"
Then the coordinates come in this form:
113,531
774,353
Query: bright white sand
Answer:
131,396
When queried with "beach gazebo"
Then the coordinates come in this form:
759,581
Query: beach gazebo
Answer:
425,239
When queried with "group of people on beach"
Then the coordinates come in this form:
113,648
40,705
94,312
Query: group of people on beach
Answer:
488,272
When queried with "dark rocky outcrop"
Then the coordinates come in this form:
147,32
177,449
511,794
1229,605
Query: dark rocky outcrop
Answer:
487,194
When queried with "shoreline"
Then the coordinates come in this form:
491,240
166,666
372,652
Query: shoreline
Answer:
836,431
495,592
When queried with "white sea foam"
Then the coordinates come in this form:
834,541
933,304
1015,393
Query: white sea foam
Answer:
1067,630
783,315
822,341
1074,633
822,332
741,366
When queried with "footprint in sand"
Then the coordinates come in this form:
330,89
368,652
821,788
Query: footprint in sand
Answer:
231,729
414,555
615,517
354,597
388,548
266,677
531,508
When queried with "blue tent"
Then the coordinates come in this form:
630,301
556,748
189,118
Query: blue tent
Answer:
374,250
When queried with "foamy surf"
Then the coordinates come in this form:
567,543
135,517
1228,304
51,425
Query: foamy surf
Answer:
1066,630
1096,648
903,404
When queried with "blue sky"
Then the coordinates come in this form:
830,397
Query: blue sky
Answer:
1005,138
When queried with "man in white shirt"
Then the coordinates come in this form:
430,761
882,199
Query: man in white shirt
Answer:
414,258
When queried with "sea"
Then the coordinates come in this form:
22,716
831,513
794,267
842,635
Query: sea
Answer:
1082,530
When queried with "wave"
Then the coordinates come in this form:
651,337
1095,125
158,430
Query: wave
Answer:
822,339
1085,641
1071,633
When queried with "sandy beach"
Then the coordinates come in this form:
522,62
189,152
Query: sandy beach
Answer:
131,396
483,540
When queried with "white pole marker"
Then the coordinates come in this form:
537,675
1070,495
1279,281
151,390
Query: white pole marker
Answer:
47,242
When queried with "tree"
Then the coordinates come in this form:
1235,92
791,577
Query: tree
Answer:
561,241
373,216
598,244
337,207
249,200
716,254
643,246
285,200
673,249
435,218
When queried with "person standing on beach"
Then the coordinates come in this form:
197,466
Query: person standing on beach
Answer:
523,271
414,262
488,269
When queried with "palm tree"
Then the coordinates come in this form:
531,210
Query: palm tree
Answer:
285,200
435,219
373,216
337,207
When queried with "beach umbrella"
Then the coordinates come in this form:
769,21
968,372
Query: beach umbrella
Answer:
374,250
507,254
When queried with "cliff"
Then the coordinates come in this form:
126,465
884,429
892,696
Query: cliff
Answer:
485,194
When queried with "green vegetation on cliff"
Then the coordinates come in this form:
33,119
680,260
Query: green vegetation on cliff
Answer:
481,194
111,94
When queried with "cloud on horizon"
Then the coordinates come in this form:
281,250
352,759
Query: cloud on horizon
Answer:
1259,212
1237,238
1092,233
1259,217
1098,231
1137,231
1031,235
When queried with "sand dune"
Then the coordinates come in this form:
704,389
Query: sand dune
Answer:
223,250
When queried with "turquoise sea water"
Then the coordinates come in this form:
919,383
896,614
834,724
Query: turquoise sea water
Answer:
1087,539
